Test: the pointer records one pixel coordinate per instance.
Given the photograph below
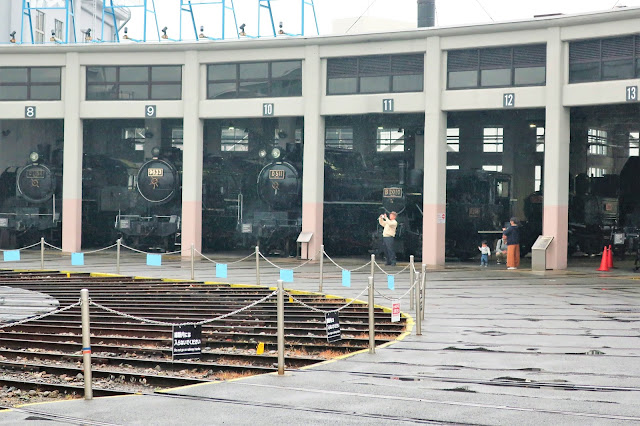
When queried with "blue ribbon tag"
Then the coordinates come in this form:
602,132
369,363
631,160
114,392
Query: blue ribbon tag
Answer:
77,259
391,282
154,259
286,275
346,278
12,256
221,270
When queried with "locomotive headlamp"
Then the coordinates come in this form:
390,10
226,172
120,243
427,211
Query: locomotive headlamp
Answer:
275,153
262,153
155,151
33,157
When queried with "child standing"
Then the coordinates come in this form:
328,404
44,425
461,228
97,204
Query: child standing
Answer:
485,252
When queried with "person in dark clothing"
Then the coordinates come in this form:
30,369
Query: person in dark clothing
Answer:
513,244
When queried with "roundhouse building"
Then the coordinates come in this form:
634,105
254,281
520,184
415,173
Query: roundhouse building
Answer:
538,100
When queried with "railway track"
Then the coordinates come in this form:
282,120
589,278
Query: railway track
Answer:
129,356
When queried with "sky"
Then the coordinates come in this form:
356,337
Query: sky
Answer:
448,13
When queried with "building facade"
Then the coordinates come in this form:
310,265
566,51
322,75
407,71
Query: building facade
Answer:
462,84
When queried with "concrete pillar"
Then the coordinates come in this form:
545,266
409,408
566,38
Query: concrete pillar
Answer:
313,163
435,157
556,156
72,177
192,157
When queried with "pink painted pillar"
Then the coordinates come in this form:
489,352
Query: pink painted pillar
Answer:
313,166
72,177
192,157
435,159
556,155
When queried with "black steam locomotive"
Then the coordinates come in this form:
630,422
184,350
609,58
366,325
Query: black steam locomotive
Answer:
478,204
33,210
153,218
31,199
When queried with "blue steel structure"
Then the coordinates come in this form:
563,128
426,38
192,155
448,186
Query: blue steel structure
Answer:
186,6
109,12
69,18
266,4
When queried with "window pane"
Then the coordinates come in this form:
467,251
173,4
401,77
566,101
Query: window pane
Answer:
134,91
222,90
45,75
45,93
617,70
289,69
342,85
100,74
97,92
222,72
459,79
254,70
286,88
253,89
166,73
408,83
530,75
166,91
13,75
374,84
589,71
500,77
134,74
13,93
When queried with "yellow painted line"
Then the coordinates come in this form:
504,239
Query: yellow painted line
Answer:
174,280
103,274
144,278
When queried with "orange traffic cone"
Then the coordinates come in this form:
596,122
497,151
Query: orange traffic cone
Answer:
610,258
604,261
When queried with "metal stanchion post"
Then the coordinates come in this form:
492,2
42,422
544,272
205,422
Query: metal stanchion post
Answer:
257,265
372,318
411,281
321,266
280,328
118,244
418,316
42,253
192,258
373,265
423,290
86,343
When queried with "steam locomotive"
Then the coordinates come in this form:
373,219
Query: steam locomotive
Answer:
31,199
477,207
33,210
154,215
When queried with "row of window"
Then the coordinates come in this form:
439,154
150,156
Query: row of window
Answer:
589,60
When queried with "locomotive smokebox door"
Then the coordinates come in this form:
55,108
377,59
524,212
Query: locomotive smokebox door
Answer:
35,183
279,185
158,181
394,199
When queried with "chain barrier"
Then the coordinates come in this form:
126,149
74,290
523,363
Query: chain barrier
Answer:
23,248
170,324
146,252
345,269
294,268
99,250
57,311
225,263
393,275
52,246
415,282
314,309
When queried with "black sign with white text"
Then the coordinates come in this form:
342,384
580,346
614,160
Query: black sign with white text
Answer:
333,327
187,341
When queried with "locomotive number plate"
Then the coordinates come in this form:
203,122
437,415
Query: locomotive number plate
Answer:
35,174
474,211
155,172
392,193
276,174
608,207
